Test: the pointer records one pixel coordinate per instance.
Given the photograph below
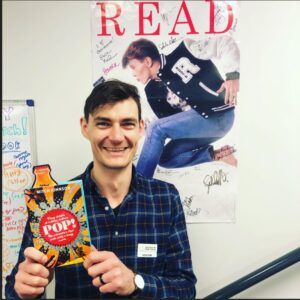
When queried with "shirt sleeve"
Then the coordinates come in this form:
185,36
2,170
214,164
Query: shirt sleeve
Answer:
10,292
221,47
178,280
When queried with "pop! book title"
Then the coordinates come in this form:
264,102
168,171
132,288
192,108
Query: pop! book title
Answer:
58,221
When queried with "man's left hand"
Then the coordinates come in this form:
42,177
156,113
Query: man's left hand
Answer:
231,88
116,276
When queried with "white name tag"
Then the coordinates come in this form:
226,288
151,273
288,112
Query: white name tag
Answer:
147,250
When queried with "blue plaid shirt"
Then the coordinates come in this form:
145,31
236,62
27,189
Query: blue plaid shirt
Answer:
151,213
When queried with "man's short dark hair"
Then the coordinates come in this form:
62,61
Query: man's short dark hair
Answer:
140,49
111,92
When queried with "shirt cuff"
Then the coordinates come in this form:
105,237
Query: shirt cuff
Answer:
233,75
149,290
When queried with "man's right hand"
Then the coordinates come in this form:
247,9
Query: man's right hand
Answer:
32,276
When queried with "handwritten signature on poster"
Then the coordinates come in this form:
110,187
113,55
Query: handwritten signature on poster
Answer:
187,205
217,178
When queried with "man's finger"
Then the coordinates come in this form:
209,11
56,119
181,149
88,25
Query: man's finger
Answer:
221,89
226,99
34,269
108,288
233,101
101,268
29,291
97,282
34,255
97,257
231,96
32,280
112,274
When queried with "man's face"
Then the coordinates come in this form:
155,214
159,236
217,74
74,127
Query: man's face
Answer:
114,131
141,69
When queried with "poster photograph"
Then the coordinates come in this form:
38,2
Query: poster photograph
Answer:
184,58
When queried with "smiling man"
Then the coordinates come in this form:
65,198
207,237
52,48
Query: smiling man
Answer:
141,247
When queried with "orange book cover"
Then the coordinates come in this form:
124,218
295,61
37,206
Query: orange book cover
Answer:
58,221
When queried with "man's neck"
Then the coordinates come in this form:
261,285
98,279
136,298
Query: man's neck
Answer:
155,69
113,183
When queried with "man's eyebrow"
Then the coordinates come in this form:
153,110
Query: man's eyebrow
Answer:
97,119
130,120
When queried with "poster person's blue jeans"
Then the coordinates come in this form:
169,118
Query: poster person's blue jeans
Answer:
191,136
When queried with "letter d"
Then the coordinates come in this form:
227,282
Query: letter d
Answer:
212,18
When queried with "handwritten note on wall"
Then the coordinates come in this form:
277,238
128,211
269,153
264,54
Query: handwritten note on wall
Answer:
18,156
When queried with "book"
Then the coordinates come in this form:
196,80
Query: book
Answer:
58,221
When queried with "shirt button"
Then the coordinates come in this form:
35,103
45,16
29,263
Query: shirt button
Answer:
206,117
203,114
194,106
168,82
159,74
106,208
116,233
178,93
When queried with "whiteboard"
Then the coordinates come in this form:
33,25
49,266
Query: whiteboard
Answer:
18,157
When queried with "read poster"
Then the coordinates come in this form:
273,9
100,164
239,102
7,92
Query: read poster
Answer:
180,55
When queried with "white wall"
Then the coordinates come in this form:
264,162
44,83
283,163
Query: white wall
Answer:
47,57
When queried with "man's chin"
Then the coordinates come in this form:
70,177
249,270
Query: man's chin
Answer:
117,166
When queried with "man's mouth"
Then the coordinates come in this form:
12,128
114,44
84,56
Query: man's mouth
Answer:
115,149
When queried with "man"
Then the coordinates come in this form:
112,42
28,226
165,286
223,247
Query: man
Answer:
194,105
137,225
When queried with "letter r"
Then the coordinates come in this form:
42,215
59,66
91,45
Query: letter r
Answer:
185,69
104,18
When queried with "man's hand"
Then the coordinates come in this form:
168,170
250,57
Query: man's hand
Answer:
231,88
116,276
32,276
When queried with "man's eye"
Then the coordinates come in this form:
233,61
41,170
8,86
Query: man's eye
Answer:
129,125
102,124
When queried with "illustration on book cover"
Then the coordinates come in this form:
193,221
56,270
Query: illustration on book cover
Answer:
58,221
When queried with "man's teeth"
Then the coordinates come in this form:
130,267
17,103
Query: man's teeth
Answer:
115,149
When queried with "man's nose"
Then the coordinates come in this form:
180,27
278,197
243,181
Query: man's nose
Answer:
116,134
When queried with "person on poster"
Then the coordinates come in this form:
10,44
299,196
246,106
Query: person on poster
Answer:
194,105
137,225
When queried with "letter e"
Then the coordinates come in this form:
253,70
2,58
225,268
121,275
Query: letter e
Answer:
142,17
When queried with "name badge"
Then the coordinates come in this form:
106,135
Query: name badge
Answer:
147,250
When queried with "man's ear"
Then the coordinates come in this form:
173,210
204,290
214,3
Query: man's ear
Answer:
148,61
84,127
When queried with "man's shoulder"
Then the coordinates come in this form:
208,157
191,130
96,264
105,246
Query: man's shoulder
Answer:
154,185
85,175
78,177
